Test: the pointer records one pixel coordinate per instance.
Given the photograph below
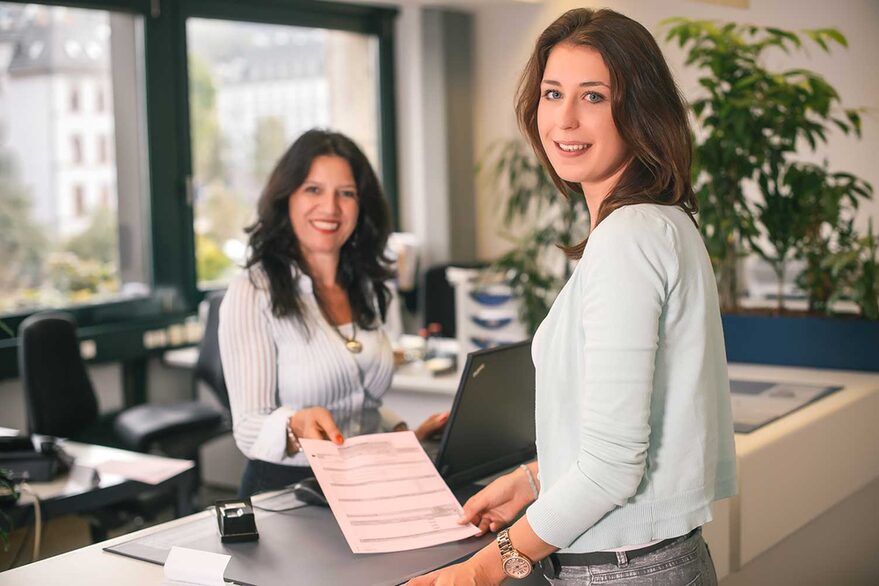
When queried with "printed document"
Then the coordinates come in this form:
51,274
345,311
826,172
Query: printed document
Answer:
385,492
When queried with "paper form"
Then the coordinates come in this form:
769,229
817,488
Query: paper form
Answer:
385,492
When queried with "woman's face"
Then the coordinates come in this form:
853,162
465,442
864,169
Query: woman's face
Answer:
575,122
324,209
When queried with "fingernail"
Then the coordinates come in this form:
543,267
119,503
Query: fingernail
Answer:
339,438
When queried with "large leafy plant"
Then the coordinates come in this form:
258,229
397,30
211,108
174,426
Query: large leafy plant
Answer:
750,123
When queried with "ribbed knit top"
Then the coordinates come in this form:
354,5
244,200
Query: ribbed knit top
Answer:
634,426
274,367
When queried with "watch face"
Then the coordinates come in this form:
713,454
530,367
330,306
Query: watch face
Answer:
517,567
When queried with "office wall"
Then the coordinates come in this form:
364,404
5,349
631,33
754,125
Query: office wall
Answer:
505,33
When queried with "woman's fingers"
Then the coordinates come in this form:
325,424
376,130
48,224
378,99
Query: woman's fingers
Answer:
324,420
431,425
474,506
316,423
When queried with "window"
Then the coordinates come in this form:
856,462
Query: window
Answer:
76,149
253,89
78,201
112,239
60,220
74,99
102,149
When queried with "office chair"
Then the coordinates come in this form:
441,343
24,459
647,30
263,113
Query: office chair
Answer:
61,401
209,367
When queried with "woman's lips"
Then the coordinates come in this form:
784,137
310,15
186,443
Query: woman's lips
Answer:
326,226
571,149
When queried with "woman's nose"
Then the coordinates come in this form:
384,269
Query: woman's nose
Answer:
329,203
567,115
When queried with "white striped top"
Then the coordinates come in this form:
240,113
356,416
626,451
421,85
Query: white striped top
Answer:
274,367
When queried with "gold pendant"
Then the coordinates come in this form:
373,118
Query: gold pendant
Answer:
353,346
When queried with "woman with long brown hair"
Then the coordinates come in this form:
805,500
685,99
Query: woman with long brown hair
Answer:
304,353
634,430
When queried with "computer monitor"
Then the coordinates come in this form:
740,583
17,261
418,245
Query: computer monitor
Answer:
491,425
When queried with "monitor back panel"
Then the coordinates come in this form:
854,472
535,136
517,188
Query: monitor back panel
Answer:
491,427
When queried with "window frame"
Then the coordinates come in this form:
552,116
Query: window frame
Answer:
118,327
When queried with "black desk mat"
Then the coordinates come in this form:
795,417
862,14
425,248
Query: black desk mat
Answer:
300,546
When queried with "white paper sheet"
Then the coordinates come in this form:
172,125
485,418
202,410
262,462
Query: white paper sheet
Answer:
148,469
192,566
385,492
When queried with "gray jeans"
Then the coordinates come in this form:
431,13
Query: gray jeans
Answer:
683,563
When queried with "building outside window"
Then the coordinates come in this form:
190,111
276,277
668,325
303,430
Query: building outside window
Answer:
74,99
78,201
76,149
60,248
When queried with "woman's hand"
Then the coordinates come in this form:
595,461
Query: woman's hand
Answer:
496,505
431,425
315,423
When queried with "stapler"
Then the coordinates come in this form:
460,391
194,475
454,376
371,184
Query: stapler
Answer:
235,520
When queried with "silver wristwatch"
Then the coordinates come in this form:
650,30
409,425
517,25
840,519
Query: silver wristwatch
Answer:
515,564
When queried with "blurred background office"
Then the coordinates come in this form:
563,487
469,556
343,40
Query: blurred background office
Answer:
135,136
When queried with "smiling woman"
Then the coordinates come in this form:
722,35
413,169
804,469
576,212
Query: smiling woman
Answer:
633,424
301,338
576,123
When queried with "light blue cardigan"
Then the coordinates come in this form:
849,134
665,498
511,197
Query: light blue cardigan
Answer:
634,430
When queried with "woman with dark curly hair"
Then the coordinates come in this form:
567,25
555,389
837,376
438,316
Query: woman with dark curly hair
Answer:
303,350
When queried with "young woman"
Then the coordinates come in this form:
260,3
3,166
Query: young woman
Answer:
634,430
303,352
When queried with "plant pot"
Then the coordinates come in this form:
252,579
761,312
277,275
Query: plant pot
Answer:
845,343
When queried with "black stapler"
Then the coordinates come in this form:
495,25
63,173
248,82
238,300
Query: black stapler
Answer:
235,520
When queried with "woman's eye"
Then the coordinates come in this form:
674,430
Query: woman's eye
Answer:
552,94
349,193
593,97
312,189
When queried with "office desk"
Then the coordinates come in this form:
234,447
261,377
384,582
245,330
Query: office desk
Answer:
93,565
64,497
790,472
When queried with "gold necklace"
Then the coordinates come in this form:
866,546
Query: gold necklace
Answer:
352,344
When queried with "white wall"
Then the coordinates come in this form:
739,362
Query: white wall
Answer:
505,35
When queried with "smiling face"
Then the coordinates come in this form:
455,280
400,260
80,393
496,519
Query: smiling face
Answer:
575,121
324,209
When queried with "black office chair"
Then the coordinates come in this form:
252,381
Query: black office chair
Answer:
61,401
209,367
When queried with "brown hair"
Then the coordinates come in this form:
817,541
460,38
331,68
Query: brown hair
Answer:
648,110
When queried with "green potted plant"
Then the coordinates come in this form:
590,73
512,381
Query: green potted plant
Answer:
856,270
750,123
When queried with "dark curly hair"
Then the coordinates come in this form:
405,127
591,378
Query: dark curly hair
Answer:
363,266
